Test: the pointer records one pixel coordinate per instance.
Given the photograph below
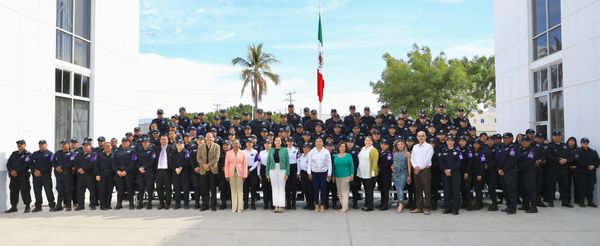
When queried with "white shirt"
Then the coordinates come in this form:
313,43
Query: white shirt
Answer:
319,161
293,155
263,155
252,157
162,160
364,163
421,155
302,163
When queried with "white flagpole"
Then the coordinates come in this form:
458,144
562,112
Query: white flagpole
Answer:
321,101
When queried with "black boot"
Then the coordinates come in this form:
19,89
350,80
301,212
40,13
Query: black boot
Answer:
493,207
27,209
11,210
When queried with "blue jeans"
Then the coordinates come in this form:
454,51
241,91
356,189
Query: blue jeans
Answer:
319,183
399,183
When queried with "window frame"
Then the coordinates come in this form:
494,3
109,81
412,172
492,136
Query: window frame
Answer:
74,35
545,32
547,93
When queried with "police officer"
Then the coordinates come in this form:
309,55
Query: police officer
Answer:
63,163
181,175
145,165
540,164
293,118
182,119
450,163
41,167
124,166
478,172
388,118
384,180
225,122
507,169
557,156
18,172
460,115
161,122
259,123
84,169
526,159
349,119
367,118
587,163
105,176
465,171
490,170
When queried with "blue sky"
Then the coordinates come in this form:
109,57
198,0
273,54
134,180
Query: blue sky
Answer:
356,35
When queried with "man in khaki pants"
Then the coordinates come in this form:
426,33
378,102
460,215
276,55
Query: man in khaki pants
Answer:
208,158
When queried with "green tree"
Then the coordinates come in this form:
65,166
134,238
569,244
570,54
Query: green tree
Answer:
256,70
422,81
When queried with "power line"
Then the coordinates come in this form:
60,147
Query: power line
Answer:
290,99
217,106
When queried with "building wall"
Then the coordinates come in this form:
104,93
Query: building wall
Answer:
28,62
580,56
489,121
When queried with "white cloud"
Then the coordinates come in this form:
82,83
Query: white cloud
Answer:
479,47
447,1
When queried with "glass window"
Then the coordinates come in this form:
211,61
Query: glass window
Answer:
77,84
555,40
482,121
62,119
560,76
553,13
82,53
544,79
557,111
542,128
540,46
66,82
64,14
82,18
539,16
81,116
541,108
57,80
85,85
64,45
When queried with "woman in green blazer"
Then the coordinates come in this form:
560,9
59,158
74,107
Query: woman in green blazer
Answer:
277,172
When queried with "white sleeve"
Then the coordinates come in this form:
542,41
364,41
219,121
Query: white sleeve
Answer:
309,162
329,165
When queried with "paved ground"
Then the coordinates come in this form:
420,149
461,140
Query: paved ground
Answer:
552,226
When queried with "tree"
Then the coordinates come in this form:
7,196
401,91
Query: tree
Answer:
256,71
421,82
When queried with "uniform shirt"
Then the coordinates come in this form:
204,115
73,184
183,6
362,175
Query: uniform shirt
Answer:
526,159
184,121
586,157
507,157
302,163
263,155
294,119
162,124
125,160
42,161
293,155
146,158
554,152
86,161
63,159
104,165
18,161
421,155
450,158
253,159
319,161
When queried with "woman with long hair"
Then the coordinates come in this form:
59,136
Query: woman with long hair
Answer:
400,171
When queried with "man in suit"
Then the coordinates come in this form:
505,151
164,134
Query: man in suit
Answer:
208,157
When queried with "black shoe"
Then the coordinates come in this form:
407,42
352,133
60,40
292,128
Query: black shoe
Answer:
446,211
27,209
245,206
177,206
79,208
551,204
355,205
455,212
109,207
581,204
214,209
161,206
186,206
104,208
523,208
505,210
384,208
167,206
196,206
92,207
140,205
591,204
293,206
511,211
204,209
531,210
119,206
306,207
223,207
366,209
567,205
540,204
493,207
11,210
37,209
434,204
252,206
56,209
131,206
149,206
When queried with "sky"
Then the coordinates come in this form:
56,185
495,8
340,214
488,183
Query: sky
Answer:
191,44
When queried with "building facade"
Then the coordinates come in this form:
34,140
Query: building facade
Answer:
548,67
68,71
484,120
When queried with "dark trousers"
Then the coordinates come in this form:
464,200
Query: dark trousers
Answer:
572,183
585,185
384,183
355,189
452,191
44,181
74,192
105,189
319,184
86,181
64,187
291,186
331,189
251,187
369,185
224,189
208,189
527,179
436,182
560,174
181,183
145,182
478,188
195,181
307,189
266,187
491,180
466,185
509,186
163,186
125,184
20,184
539,181
423,189
410,190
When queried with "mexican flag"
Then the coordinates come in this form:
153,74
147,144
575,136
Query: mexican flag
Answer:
320,81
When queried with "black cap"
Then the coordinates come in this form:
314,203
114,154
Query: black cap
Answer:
507,135
154,132
222,111
461,110
478,141
385,106
441,132
431,125
444,117
212,129
286,129
247,127
290,105
20,141
530,131
191,128
404,111
299,125
179,141
367,109
472,128
585,140
423,116
452,127
102,139
356,114
226,142
313,111
125,140
306,133
334,110
440,105
182,109
245,114
350,140
337,126
556,133
307,145
187,135
464,120
259,111
130,134
236,117
88,142
201,114
160,111
526,139
379,116
352,107
136,129
376,132
249,140
269,113
216,118
74,140
410,138
306,109
384,141
145,139
263,130
64,141
492,137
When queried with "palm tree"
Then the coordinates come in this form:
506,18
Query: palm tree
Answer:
256,70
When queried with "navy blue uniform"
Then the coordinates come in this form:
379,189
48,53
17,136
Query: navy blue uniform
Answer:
507,162
557,172
84,168
162,124
465,171
181,181
526,159
42,161
478,163
384,179
104,170
64,161
146,159
451,159
125,160
586,178
19,162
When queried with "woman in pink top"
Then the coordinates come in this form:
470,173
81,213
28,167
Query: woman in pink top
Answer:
236,171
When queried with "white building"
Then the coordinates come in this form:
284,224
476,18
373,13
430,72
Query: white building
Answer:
484,120
548,66
67,71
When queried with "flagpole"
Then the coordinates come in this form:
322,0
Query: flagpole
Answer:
320,101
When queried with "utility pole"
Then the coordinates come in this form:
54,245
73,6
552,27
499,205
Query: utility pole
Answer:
217,106
290,99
